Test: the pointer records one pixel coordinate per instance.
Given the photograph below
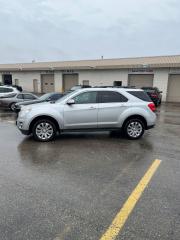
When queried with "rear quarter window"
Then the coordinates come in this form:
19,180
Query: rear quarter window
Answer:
141,95
111,97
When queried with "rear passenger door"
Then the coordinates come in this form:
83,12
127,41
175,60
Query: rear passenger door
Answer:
19,97
111,106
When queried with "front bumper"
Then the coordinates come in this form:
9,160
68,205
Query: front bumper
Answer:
149,127
25,132
20,125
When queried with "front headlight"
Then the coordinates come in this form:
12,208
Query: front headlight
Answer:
24,111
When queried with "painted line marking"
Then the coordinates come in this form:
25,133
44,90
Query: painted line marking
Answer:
122,216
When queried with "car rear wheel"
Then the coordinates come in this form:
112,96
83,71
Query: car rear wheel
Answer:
44,130
134,129
12,107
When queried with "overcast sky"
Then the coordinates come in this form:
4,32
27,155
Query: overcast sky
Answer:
50,30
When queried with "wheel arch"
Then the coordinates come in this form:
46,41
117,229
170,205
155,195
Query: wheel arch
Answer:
10,104
41,118
135,116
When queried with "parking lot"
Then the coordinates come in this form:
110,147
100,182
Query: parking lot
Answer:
72,188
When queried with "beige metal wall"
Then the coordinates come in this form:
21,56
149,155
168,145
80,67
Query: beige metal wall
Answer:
47,83
95,77
26,80
1,80
173,93
140,80
35,85
103,77
161,81
69,80
58,81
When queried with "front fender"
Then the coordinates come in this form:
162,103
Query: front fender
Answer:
58,116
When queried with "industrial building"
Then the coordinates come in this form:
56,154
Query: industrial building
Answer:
162,72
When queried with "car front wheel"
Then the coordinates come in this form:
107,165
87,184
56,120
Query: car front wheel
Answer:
44,130
134,129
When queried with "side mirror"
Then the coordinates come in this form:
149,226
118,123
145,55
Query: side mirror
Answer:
70,102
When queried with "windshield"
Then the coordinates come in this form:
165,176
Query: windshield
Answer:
45,96
67,95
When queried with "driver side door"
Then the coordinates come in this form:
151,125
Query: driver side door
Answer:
83,113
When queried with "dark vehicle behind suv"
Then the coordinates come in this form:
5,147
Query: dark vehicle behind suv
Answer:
154,93
48,97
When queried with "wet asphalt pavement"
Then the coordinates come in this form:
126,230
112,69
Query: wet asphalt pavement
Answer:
72,188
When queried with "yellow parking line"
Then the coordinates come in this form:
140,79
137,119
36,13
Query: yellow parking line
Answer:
120,219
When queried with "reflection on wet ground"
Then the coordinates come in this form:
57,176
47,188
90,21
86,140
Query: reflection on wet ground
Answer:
7,116
169,113
72,188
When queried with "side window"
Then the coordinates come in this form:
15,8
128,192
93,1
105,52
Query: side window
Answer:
111,97
8,90
85,98
2,90
29,96
20,96
141,95
55,97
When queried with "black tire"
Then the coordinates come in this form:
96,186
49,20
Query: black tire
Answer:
138,131
45,136
12,107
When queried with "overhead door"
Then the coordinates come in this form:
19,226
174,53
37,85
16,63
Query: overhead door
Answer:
173,94
7,79
141,80
47,83
69,80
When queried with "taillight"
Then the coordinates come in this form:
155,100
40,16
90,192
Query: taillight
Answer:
154,95
152,107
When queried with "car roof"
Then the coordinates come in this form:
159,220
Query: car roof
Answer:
7,86
109,89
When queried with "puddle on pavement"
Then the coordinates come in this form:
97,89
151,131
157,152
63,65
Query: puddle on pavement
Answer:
6,116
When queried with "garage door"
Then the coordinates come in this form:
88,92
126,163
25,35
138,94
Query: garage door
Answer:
69,80
141,80
47,83
173,94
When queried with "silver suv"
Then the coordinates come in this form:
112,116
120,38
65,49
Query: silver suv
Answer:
130,110
6,90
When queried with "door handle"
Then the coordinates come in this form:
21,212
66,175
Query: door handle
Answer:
92,108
